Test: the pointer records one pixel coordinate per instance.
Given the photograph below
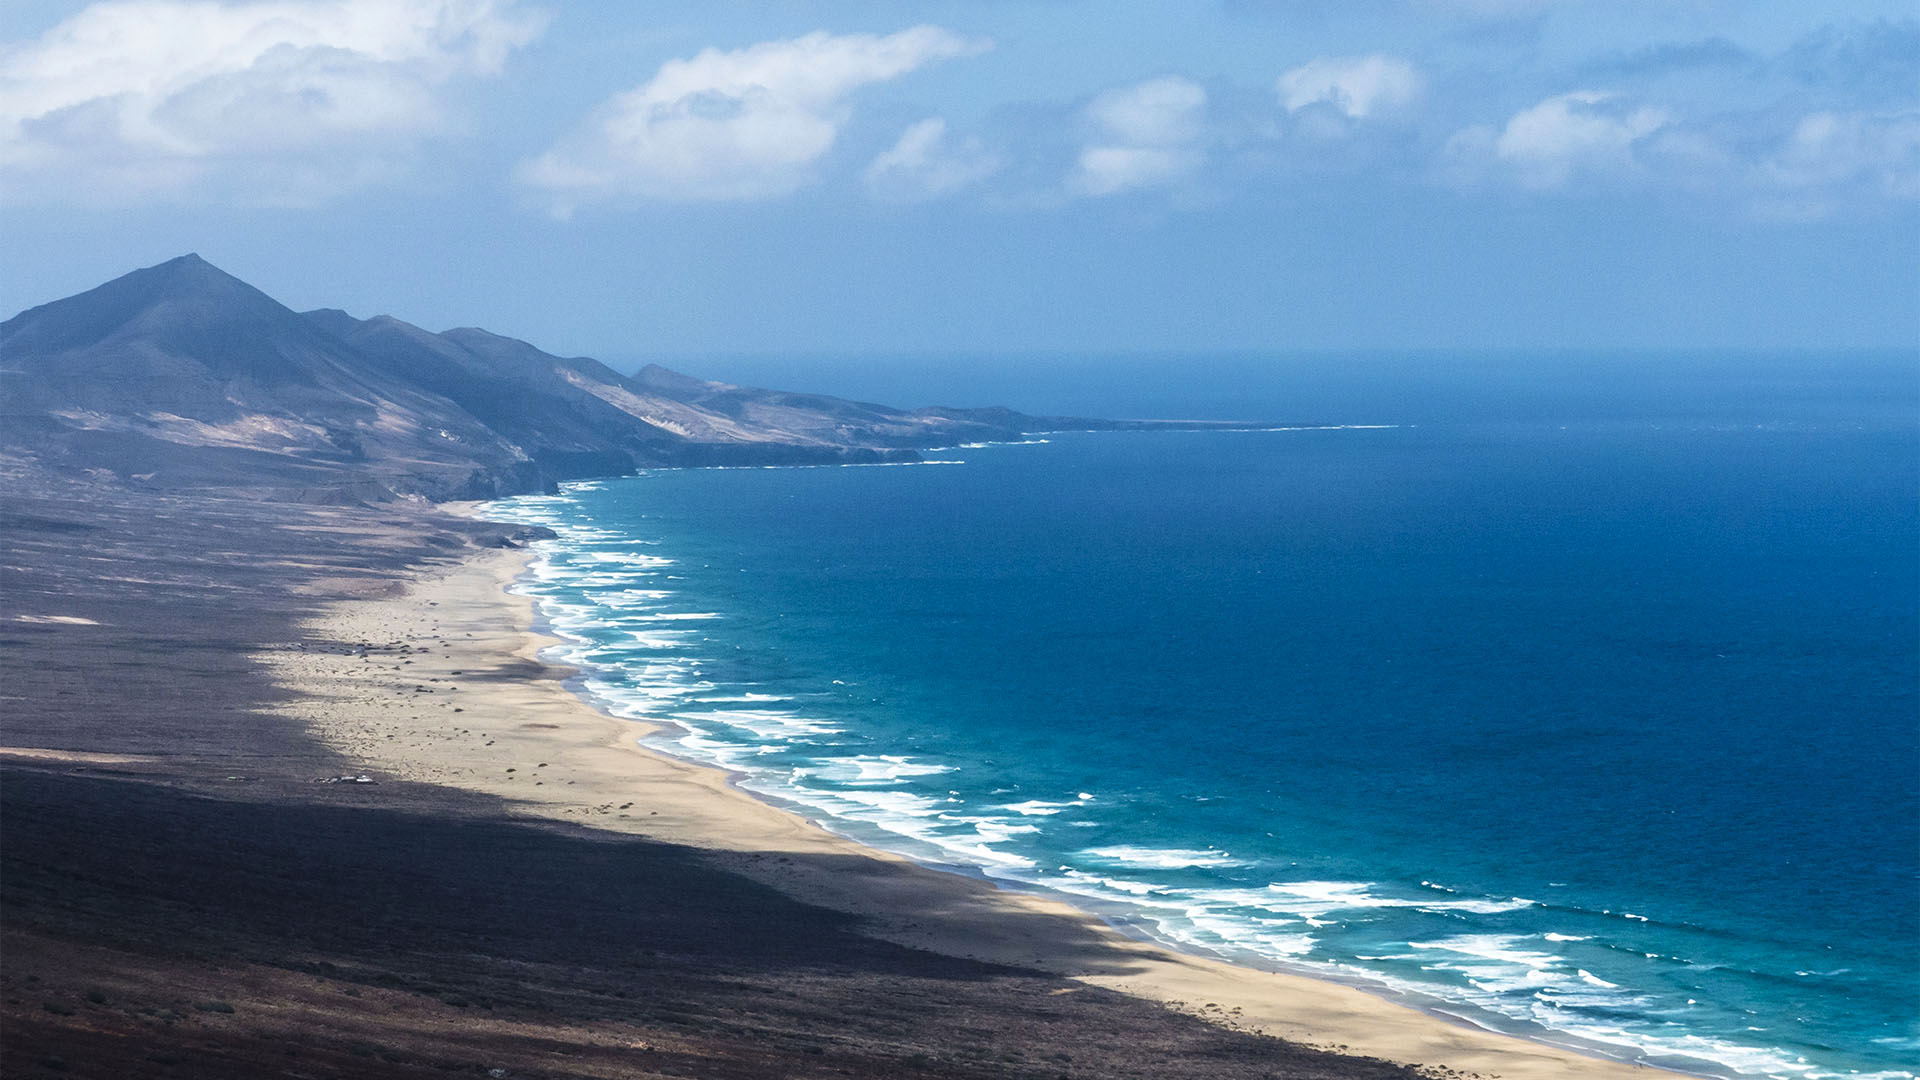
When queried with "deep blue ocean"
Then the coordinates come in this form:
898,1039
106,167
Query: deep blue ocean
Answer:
1575,695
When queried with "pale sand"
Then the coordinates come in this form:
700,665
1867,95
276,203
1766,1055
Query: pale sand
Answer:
73,757
472,706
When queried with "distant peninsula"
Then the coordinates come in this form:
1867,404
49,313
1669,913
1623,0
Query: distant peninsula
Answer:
181,377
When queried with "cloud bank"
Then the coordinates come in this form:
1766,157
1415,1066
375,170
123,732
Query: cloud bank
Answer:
296,102
731,125
290,101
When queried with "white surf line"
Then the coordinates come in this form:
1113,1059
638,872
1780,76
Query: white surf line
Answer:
1329,427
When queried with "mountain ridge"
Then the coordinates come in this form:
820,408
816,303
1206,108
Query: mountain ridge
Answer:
182,376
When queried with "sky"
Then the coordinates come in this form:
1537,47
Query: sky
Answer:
635,180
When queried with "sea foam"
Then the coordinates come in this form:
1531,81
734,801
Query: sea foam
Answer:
617,607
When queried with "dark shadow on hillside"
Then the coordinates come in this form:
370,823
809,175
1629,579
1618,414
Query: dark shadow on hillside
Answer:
523,922
110,599
194,905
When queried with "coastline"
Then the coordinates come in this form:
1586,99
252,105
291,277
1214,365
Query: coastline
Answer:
192,884
453,692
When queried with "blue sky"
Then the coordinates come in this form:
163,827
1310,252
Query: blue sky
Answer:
633,180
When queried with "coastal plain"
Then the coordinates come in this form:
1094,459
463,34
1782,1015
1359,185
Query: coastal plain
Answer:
196,884
198,881
457,694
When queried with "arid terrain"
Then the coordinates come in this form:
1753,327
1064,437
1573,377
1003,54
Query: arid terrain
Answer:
182,898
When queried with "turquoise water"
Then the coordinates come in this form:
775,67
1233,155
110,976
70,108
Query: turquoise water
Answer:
1579,702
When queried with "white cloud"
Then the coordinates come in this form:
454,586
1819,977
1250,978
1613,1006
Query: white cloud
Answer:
1148,135
1831,159
1829,148
925,165
1356,85
1779,165
1584,129
1547,145
282,101
1108,170
1156,112
742,124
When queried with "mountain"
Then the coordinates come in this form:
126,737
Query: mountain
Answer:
799,417
181,376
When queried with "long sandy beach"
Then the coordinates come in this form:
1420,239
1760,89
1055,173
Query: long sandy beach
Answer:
443,683
196,885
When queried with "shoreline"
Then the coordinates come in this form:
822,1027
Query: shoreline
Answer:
190,886
1119,921
524,734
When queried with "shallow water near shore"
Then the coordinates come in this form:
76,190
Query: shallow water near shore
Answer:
1578,699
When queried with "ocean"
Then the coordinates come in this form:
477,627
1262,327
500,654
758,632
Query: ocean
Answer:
1573,695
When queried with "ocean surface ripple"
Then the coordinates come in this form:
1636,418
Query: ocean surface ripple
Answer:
1517,723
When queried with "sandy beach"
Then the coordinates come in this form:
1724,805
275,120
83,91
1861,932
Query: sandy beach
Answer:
288,790
442,683
194,884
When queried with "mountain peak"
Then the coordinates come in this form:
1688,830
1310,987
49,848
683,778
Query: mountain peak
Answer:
187,278
187,272
185,306
202,377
